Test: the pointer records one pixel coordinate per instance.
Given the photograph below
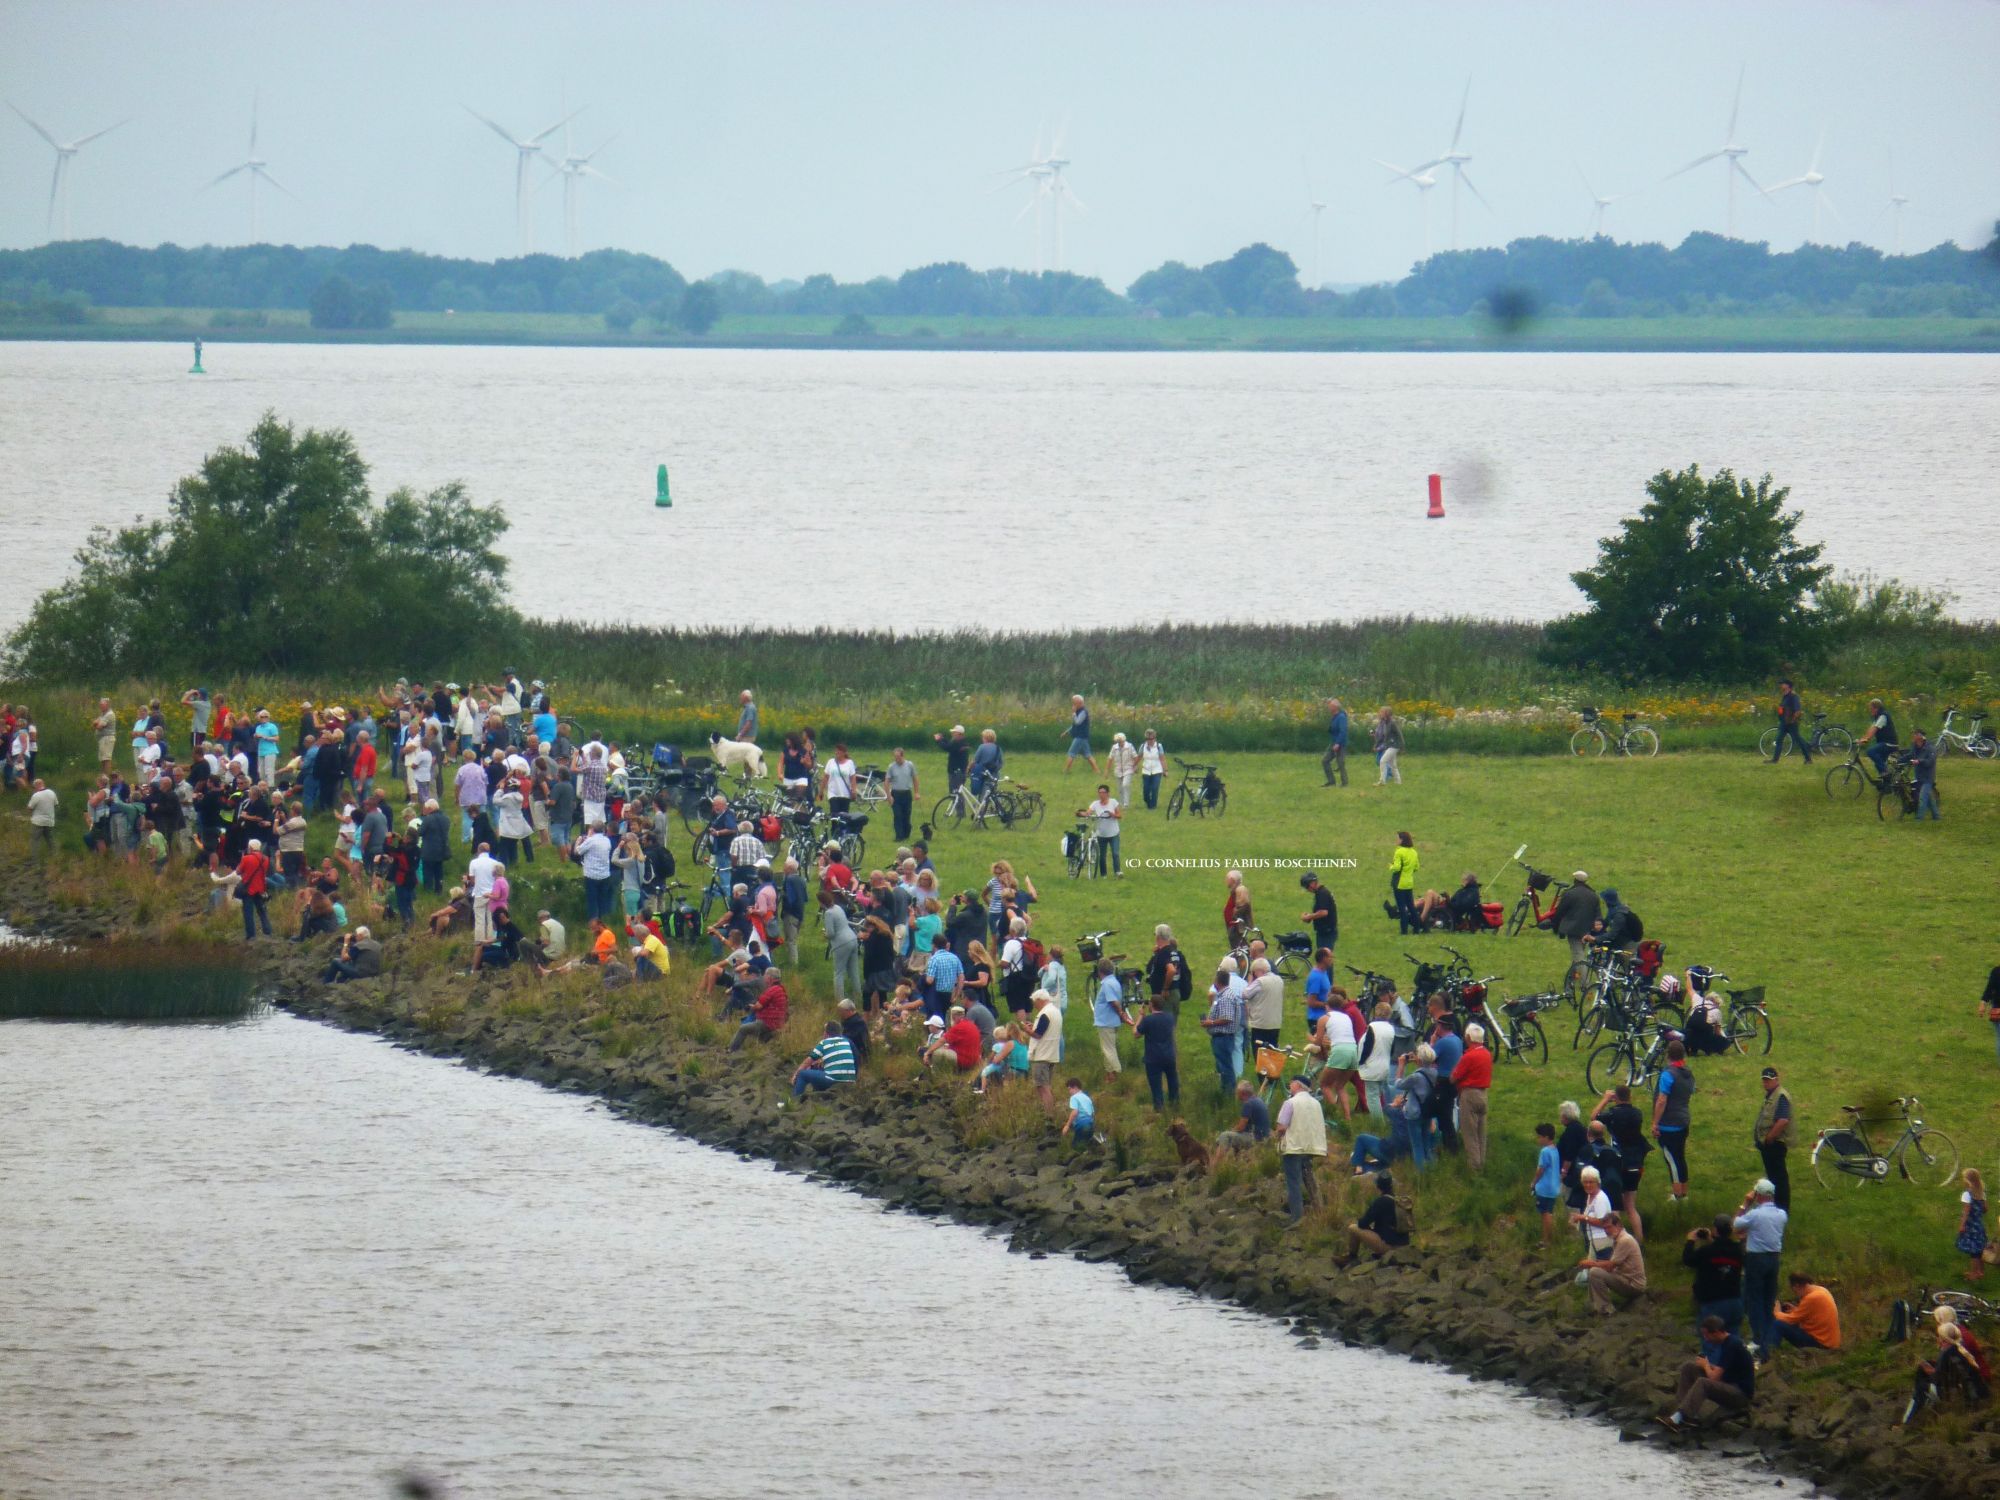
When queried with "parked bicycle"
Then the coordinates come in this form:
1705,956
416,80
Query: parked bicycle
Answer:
1080,847
1529,908
1844,1153
1520,1034
1012,804
1201,792
1969,1306
1746,1025
1825,739
1633,738
1630,1056
1976,742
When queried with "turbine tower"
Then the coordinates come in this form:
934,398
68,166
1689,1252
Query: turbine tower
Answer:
573,169
1315,206
526,149
255,165
1423,181
1598,204
1815,179
1058,190
1456,160
1048,192
1897,203
65,153
1730,154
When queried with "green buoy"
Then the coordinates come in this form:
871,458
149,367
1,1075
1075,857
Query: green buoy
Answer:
663,499
197,370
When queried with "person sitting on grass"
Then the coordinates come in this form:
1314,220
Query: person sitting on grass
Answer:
767,1017
957,1048
649,955
457,912
1722,1374
1081,1126
1006,1056
1622,1273
505,949
831,1061
901,1010
1955,1374
1810,1320
1380,1228
1253,1123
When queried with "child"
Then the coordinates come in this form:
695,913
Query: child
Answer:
1548,1180
1081,1126
156,844
1972,1224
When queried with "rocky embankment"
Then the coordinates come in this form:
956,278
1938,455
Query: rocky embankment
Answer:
1492,1311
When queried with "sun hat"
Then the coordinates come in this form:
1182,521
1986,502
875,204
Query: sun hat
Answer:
1763,1187
1579,875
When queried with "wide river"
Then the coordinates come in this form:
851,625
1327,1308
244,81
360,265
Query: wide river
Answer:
1028,491
278,1259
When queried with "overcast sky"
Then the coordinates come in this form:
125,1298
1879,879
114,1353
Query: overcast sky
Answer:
862,138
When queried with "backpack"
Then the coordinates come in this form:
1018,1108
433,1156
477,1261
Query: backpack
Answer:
1899,1323
1033,956
1406,1214
1183,981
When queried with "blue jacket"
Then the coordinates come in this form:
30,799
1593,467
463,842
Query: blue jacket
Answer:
1336,729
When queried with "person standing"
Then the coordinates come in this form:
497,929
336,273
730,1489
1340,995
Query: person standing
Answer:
253,890
1263,1005
1762,1224
483,869
1923,767
1773,1135
105,727
266,735
1388,737
1109,1015
1079,735
1121,761
901,779
1472,1077
1789,712
1167,977
1576,916
1160,1056
42,819
1223,1025
746,717
1403,884
1045,1046
1152,769
957,756
200,710
1106,813
1673,1095
433,846
1334,762
1301,1128
843,949
1325,920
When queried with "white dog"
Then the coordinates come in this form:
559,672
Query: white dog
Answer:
734,755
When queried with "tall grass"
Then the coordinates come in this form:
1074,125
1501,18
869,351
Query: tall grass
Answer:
125,981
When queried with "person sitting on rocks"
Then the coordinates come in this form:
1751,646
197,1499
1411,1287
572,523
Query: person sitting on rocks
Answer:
1004,1057
1957,1373
505,949
901,1010
1723,1373
1380,1228
1810,1320
457,912
1622,1273
767,1015
360,957
726,973
957,1048
1253,1122
831,1061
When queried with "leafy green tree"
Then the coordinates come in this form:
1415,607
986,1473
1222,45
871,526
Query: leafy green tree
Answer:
621,315
274,558
699,309
1708,581
335,303
1175,290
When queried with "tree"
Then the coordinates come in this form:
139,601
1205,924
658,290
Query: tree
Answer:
334,303
621,315
699,309
1709,581
274,558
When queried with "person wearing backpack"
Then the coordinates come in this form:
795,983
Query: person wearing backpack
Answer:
1167,977
1383,1226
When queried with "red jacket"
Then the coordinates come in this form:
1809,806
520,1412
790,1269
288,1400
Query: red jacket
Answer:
773,1006
1474,1070
252,868
963,1039
364,763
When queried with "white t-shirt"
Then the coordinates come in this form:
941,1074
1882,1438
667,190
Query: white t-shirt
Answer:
1598,1206
419,761
149,760
840,778
1105,810
1152,759
42,814
483,869
1340,1029
1010,956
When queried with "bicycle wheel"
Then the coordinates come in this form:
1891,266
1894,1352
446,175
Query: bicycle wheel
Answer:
950,809
852,849
1890,805
1612,1064
1767,744
1833,740
1827,1165
1669,1018
1844,782
1518,918
1030,809
704,852
1588,1024
1077,860
1749,1030
1576,982
1176,803
1220,805
1526,1041
1586,742
1984,748
1641,741
1936,1163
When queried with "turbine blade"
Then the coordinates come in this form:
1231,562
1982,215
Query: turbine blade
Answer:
1737,163
601,145
1389,166
587,170
1779,187
34,127
86,140
1818,146
1736,104
1699,161
1027,208
1462,177
1457,129
1425,166
223,178
1063,190
538,139
253,121
277,184
55,187
1586,183
1837,216
492,125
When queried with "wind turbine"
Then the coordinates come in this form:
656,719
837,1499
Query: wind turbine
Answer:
1456,160
255,166
65,153
1730,153
1043,172
1815,179
1423,181
526,149
1897,203
1598,204
574,169
1058,190
1314,206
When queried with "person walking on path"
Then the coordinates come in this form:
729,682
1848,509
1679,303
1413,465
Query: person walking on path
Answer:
901,779
1079,735
1301,1129
1388,737
1773,1135
1334,762
1403,884
1762,1224
1790,710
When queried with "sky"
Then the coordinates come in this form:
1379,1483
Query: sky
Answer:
865,138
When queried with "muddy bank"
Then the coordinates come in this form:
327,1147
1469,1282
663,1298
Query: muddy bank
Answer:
1489,1311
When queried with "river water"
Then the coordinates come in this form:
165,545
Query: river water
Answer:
1032,491
273,1258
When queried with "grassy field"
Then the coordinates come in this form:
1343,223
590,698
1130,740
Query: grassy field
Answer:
1873,939
1689,333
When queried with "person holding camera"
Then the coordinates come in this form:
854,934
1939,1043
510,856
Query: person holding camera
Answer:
1715,1255
360,957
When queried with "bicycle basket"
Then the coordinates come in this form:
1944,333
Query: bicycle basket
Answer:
1471,993
1537,881
1429,977
1090,952
1589,714
1296,942
1270,1063
1211,787
666,757
1752,996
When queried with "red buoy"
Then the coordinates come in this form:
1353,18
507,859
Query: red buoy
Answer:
1436,512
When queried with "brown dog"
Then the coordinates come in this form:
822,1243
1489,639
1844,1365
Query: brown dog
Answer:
1193,1152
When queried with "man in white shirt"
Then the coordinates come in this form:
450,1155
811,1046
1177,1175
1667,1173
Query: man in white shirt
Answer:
419,763
593,855
42,819
1121,763
840,774
149,758
1105,813
1301,1131
483,870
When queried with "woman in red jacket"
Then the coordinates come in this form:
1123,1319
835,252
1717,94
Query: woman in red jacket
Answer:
253,891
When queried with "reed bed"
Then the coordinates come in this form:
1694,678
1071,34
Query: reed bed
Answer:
125,981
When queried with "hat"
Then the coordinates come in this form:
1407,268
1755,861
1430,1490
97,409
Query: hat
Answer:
538,683
958,729
1579,875
937,1021
451,687
1308,878
305,705
414,824
1763,1188
1770,1072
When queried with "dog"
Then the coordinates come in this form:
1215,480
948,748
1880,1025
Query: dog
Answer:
1193,1152
737,755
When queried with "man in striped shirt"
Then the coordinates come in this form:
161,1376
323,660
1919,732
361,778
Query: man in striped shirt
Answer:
831,1062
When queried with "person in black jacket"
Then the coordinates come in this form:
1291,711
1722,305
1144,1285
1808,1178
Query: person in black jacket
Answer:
434,846
1576,916
1715,1255
1622,927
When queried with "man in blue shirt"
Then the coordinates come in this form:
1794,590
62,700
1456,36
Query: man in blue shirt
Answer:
1082,1122
1449,1047
987,762
1079,734
1762,1224
1319,986
1108,1014
941,977
746,721
1253,1124
1334,762
1724,1374
1671,1116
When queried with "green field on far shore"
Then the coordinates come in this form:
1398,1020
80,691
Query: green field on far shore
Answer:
1748,334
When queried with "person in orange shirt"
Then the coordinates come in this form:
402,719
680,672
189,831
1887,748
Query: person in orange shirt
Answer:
1810,1321
603,943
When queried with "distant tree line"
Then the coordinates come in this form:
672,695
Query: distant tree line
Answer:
360,286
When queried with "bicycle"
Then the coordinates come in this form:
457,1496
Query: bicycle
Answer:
1975,742
1845,1152
1275,1065
1520,1035
962,802
1825,739
1854,776
1529,907
1746,1025
1621,1061
1287,962
870,790
1968,1305
1201,791
1633,737
1011,803
1080,849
